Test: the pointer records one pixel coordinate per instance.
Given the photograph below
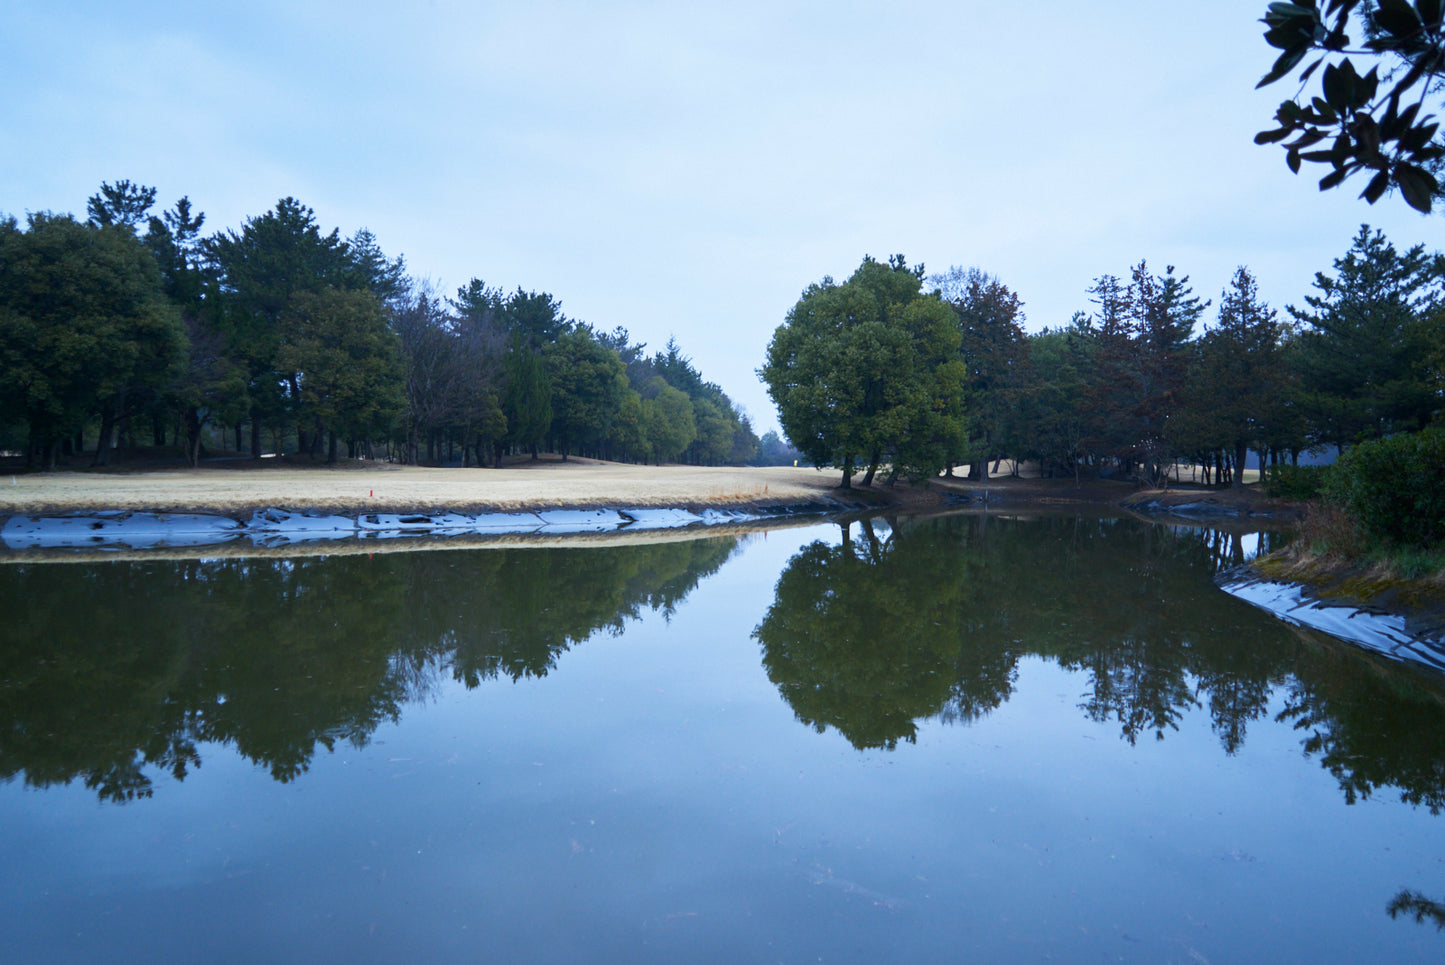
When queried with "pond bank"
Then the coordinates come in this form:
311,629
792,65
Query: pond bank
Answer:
269,505
1414,634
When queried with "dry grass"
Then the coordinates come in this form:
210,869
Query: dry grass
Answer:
386,488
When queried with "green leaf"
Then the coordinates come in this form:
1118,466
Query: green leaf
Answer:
1333,85
1416,185
1376,188
1326,112
1397,17
1271,137
1333,179
1282,66
1430,11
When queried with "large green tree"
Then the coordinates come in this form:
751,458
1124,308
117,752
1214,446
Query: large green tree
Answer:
83,322
1237,393
272,258
1366,342
868,370
588,383
668,421
996,351
342,360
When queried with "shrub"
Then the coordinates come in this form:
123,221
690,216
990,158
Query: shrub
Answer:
1394,488
1294,482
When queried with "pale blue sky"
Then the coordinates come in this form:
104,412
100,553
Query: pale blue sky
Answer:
688,170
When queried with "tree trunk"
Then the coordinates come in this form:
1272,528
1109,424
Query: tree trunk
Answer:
192,420
847,473
255,437
107,429
872,468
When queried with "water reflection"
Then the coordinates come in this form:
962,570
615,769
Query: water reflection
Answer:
112,671
895,624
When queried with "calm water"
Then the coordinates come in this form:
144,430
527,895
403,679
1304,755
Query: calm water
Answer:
966,739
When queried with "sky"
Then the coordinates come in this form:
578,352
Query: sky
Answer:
686,170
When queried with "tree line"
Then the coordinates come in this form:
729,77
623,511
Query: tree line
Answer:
925,374
131,327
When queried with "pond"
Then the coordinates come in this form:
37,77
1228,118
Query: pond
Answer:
965,738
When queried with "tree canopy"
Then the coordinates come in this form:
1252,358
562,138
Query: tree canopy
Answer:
311,340
868,370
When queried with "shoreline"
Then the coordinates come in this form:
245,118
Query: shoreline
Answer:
289,511
269,506
356,489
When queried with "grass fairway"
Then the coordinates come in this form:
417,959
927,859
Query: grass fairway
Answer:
379,487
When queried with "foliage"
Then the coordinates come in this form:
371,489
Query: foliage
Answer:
1364,349
869,370
1388,131
1395,487
1236,390
773,451
1298,483
995,353
588,383
298,332
83,320
344,362
668,422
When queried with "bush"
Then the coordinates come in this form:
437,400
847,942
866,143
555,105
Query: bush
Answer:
1294,482
1394,488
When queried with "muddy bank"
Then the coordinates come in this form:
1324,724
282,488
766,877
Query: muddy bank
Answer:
119,530
1211,504
1398,625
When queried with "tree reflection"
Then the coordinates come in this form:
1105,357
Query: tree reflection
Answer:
1371,725
280,657
866,637
871,636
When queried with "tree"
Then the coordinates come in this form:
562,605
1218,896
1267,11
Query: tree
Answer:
1391,132
867,370
528,400
533,317
1054,398
386,279
773,451
342,361
272,258
433,381
668,421
83,321
1137,358
588,385
1166,312
1237,386
122,204
995,350
1365,348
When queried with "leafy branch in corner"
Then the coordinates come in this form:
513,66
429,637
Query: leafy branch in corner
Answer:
1373,122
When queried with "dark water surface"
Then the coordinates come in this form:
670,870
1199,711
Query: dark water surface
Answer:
966,739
